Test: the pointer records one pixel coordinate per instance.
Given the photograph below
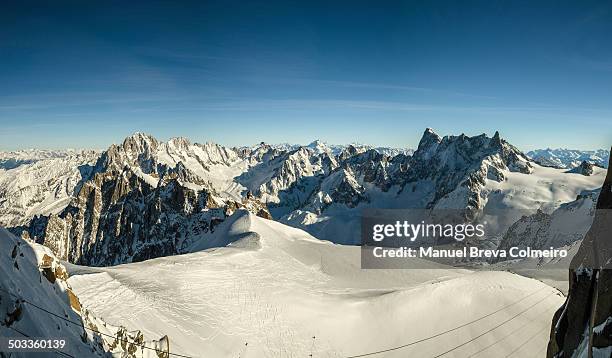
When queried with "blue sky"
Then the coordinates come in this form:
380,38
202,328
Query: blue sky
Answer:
87,74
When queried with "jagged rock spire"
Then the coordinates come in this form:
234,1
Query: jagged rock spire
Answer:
496,140
428,139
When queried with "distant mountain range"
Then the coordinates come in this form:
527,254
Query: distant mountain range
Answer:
570,158
558,158
320,146
145,198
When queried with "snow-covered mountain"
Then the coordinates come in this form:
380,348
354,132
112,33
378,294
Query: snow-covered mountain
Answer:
585,168
13,159
480,173
321,146
563,227
40,182
569,158
36,300
145,198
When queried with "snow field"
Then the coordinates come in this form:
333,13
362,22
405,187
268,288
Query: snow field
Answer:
275,288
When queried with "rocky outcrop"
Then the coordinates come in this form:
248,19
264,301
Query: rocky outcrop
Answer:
341,188
350,151
585,168
117,217
582,327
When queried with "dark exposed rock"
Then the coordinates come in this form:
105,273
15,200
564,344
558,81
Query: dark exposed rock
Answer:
13,315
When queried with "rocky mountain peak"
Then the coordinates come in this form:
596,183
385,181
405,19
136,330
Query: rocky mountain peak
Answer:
464,161
144,199
496,141
137,149
316,143
318,146
140,143
180,143
456,152
258,153
429,142
350,151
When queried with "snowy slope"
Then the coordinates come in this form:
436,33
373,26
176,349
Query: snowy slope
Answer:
276,291
13,159
37,301
20,277
545,188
